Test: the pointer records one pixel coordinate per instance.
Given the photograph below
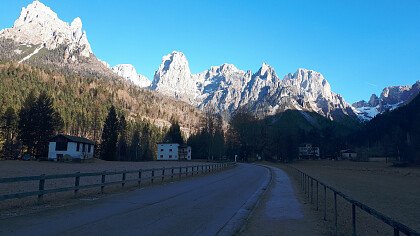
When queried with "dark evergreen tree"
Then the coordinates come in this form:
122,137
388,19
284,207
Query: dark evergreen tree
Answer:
8,124
47,123
25,125
135,151
122,139
110,136
174,134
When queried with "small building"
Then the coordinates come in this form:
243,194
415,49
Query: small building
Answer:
67,146
348,154
173,152
184,152
307,151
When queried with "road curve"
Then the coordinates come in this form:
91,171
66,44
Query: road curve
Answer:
199,206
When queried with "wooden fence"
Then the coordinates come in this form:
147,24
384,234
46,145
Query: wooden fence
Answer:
310,184
155,174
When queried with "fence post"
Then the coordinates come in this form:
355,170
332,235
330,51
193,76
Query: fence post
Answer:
335,213
76,183
153,176
172,173
41,188
180,172
186,171
139,181
192,170
312,190
325,202
353,218
163,174
103,183
202,169
123,179
317,202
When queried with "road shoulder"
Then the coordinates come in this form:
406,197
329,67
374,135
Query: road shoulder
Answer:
282,211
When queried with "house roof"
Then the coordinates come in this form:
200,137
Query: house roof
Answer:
75,139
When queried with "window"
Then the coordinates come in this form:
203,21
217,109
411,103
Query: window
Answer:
61,146
161,156
170,150
84,148
161,150
170,156
78,147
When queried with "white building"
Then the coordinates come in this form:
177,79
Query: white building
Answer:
173,152
308,151
63,146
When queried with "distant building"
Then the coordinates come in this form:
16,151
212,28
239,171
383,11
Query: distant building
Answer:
308,151
173,152
184,152
64,146
348,154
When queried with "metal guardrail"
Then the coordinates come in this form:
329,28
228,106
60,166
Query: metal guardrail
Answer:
164,173
307,184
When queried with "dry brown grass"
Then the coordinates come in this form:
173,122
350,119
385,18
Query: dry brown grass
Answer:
392,191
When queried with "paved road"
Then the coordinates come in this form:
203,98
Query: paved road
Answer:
199,206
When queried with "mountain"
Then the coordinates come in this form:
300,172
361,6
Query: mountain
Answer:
128,72
390,99
41,52
40,38
225,88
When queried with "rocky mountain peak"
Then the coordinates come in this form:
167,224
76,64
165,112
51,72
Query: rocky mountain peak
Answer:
39,25
128,72
374,100
174,78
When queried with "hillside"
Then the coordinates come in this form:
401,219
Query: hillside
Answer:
80,99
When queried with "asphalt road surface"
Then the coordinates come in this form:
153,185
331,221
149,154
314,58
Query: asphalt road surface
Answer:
198,206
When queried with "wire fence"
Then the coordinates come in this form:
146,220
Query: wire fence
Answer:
79,181
319,193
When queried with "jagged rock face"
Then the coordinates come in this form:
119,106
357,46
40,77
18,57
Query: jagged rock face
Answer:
173,78
225,88
129,73
390,98
39,25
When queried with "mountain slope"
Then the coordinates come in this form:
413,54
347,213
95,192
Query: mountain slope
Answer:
79,98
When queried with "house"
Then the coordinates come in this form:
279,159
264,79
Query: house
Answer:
173,152
348,154
184,152
65,146
308,151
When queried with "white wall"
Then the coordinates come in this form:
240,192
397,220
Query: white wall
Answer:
167,152
71,151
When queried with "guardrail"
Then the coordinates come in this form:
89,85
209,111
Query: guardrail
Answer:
307,184
170,173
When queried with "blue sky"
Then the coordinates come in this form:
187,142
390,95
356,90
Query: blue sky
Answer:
360,46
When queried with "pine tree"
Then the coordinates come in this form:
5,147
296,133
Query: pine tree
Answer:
47,122
8,124
174,134
25,125
122,139
110,136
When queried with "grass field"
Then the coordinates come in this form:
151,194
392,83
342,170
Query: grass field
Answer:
392,191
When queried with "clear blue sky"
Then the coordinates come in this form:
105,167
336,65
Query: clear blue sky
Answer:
360,46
